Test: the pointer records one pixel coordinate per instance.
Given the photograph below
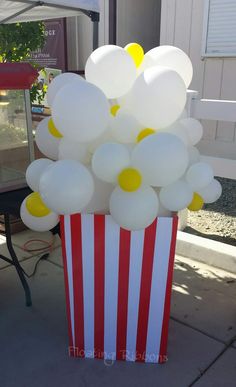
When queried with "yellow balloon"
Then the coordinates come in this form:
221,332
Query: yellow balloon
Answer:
136,52
36,206
144,133
130,179
53,130
114,109
197,203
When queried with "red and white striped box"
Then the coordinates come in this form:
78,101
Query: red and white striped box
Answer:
118,287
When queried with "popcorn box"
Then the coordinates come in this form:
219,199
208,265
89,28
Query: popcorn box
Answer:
118,287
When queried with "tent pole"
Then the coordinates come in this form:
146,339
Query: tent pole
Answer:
95,35
94,16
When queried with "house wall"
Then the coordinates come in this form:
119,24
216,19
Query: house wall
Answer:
214,78
80,36
137,21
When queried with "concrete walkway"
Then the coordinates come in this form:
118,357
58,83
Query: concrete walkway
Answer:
33,341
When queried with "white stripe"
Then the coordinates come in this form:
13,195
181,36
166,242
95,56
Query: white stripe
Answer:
158,289
112,238
136,258
88,282
68,247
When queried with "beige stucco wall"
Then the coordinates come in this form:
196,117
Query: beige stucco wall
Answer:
214,78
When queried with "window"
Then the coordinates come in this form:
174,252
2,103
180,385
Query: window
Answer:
219,28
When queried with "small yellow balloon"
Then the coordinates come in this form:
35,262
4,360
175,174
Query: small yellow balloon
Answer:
53,130
144,133
130,179
136,52
114,109
196,203
36,206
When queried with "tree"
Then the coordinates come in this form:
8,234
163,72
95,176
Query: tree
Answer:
17,41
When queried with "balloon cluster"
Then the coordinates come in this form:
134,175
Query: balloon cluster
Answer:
122,140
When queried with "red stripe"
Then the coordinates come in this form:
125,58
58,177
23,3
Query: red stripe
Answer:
166,316
63,242
99,284
145,290
123,289
76,242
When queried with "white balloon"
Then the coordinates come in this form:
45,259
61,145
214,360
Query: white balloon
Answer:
66,187
199,175
162,159
125,128
176,196
34,172
212,192
193,129
42,223
178,130
73,150
171,57
46,143
60,81
125,103
184,115
112,69
162,211
158,97
99,203
134,210
194,155
81,111
108,161
130,148
104,138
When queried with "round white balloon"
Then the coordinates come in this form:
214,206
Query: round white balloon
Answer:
109,160
184,115
112,69
66,187
176,196
199,175
35,223
178,130
162,211
125,103
73,150
34,172
104,138
134,210
162,159
125,128
212,192
81,111
46,143
158,97
194,155
60,81
99,203
171,57
194,130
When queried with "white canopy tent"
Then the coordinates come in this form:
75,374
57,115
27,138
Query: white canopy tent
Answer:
13,11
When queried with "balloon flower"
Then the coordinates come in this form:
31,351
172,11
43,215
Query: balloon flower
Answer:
120,142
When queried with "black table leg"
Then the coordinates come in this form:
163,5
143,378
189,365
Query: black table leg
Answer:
15,261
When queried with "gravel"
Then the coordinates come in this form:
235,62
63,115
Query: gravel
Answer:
218,220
